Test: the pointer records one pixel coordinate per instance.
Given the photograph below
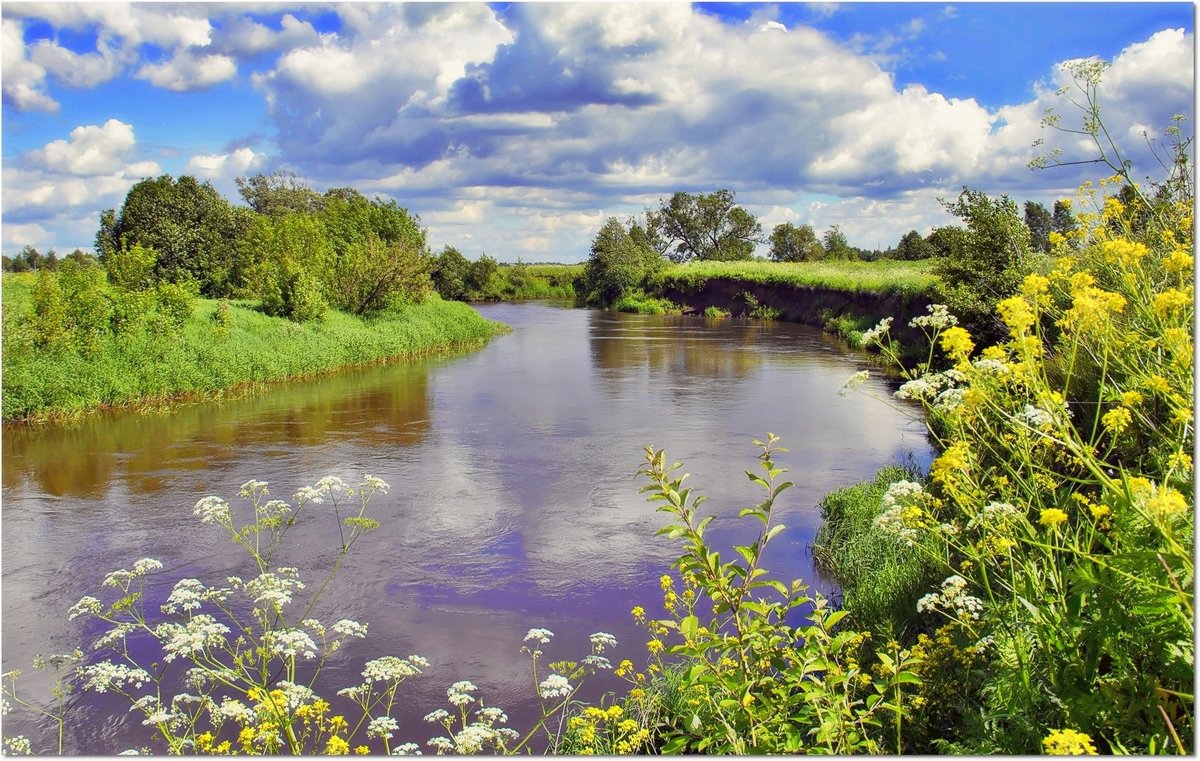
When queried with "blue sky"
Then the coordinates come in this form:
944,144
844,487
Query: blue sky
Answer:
517,129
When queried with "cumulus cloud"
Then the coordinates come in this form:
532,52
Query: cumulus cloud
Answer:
69,180
187,71
236,163
24,80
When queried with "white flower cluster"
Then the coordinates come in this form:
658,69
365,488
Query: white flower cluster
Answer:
1035,417
539,635
899,495
555,686
406,749
382,727
155,712
601,640
121,577
875,334
274,589
276,508
390,668
201,632
949,400
112,636
459,693
107,675
213,510
254,489
491,715
236,710
85,606
996,514
854,382
939,318
989,366
18,745
597,662
290,643
376,484
295,695
952,597
348,628
188,594
439,715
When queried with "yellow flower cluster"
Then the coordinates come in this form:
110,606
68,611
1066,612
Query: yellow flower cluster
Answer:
1068,742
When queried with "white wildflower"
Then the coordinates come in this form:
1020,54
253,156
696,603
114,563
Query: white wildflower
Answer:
145,566
18,745
377,484
989,366
213,510
555,686
200,633
928,602
308,494
439,715
85,606
459,693
539,635
601,640
389,668
236,710
472,739
295,695
597,662
939,317
875,334
382,727
406,749
276,508
107,675
186,595
254,488
290,642
274,590
854,382
442,744
5,707
331,484
949,400
490,714
348,628
918,388
112,636
1035,417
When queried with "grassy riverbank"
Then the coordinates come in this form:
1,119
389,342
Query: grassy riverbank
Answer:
885,277
210,356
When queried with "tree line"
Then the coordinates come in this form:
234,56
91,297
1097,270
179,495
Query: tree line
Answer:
978,262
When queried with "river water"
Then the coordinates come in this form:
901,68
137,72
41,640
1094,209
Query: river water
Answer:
514,501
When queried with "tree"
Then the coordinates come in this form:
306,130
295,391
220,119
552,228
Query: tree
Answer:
990,263
1062,221
618,263
913,246
836,246
947,241
795,244
479,274
189,224
278,194
450,273
706,227
1039,222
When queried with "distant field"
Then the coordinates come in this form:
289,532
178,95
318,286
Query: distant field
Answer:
885,277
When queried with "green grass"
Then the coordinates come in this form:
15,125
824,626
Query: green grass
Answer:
539,281
879,576
885,276
207,360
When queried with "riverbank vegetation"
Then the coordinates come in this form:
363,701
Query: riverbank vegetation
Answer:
208,347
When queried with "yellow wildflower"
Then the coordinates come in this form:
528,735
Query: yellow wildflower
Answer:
362,750
1167,503
952,462
1017,315
637,693
624,667
1131,399
1052,516
666,582
1068,742
1117,420
1155,383
957,343
655,646
1170,300
1179,461
1036,288
1179,261
638,612
336,746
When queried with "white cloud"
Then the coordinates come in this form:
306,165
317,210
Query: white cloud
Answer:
236,163
187,71
92,150
24,80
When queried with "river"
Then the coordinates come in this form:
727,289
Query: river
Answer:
514,501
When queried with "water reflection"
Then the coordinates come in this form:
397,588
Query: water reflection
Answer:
514,501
